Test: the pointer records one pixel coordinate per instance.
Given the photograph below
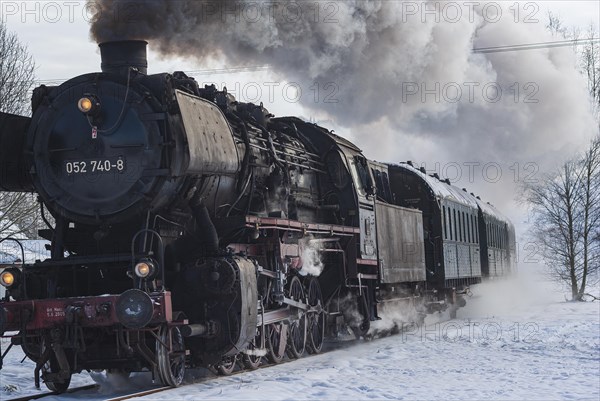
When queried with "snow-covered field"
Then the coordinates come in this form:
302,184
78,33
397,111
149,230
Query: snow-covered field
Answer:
515,339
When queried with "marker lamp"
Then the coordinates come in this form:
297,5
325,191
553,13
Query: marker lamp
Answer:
9,277
145,269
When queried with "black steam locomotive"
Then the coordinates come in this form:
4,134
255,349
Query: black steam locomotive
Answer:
190,229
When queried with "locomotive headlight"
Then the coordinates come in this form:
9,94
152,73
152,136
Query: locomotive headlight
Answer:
145,269
85,105
88,105
9,277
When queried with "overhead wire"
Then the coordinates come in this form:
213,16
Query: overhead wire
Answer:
208,71
490,49
535,46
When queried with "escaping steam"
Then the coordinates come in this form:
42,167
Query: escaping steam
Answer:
396,317
312,265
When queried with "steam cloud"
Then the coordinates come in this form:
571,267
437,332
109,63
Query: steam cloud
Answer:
374,52
311,259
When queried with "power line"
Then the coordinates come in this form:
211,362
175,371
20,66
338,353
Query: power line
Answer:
535,46
493,49
210,71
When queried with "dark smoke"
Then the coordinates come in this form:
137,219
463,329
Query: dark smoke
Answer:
370,50
364,48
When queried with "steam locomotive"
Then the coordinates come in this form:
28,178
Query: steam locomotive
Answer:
190,229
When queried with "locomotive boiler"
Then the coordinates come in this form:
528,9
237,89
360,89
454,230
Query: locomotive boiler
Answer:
187,228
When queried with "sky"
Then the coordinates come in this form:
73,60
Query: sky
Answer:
57,35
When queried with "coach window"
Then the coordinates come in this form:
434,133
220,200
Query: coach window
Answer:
499,237
462,226
461,216
458,222
470,223
466,228
466,219
477,229
444,223
496,235
449,220
455,224
458,228
450,225
472,229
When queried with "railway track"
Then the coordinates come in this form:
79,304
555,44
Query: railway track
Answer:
48,394
141,393
331,346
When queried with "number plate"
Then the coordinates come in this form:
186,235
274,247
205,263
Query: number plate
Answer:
95,166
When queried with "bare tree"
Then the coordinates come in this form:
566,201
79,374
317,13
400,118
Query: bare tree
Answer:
587,53
16,73
18,211
566,219
589,179
19,214
555,26
590,65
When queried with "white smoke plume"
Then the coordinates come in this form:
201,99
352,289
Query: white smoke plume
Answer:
401,76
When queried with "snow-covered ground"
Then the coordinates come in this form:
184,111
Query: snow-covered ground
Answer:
33,249
515,339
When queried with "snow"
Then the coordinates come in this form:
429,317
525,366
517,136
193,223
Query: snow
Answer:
515,339
34,250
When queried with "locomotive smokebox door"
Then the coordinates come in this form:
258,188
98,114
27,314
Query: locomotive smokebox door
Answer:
211,145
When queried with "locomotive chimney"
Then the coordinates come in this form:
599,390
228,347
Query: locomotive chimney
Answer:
119,56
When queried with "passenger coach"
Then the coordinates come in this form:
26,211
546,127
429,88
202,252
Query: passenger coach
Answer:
465,238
